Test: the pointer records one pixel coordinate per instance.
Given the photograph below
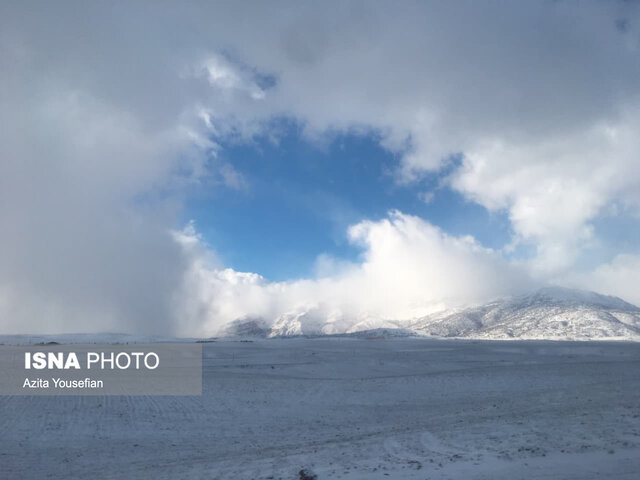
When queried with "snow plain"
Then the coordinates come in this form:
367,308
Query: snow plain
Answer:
352,408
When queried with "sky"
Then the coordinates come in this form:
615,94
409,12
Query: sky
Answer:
169,168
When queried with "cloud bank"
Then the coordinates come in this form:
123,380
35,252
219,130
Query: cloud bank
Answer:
111,112
409,268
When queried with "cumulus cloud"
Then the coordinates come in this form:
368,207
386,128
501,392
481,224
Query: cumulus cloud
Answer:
409,268
109,111
553,187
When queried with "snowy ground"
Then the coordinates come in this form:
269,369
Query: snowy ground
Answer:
353,409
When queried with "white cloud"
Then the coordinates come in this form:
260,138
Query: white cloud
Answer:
409,268
222,74
554,187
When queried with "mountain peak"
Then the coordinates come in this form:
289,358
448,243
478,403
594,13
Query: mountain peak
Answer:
569,297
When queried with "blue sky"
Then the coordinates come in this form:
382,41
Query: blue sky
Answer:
301,196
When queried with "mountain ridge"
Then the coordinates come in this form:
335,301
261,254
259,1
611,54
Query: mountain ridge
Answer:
549,313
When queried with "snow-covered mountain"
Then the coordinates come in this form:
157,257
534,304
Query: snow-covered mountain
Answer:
548,313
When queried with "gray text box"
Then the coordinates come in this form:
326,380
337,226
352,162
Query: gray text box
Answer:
132,369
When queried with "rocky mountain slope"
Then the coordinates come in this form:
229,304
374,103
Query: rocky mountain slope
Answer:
549,313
